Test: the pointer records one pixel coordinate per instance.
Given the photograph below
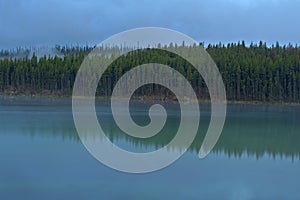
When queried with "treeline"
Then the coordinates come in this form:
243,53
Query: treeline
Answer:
250,73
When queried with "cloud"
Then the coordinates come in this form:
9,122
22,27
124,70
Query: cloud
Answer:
50,22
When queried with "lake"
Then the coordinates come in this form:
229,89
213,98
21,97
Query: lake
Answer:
42,157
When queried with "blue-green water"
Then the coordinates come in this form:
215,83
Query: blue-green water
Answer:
257,156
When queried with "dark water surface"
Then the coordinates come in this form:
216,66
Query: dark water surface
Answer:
41,156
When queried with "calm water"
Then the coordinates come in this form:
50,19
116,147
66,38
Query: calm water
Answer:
257,156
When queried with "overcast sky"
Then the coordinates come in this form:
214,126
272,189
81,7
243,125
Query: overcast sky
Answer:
50,22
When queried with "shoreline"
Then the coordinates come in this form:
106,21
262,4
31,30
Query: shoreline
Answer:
149,99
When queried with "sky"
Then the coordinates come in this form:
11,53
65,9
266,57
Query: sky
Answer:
32,23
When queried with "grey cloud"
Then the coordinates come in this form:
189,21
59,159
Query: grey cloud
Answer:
33,22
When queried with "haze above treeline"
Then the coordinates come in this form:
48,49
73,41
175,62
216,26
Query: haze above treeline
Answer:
62,50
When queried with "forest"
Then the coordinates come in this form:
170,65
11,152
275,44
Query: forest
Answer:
254,72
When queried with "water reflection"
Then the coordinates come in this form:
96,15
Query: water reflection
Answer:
252,130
